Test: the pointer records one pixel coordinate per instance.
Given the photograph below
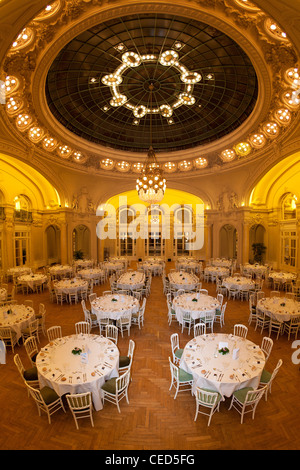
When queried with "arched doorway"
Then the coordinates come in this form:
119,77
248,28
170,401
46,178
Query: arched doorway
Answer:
256,235
228,242
53,244
81,239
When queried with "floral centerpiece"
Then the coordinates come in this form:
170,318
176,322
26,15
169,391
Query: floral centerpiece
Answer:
224,351
114,300
283,304
76,351
194,300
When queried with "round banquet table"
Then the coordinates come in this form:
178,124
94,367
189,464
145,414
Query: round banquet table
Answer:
92,273
32,280
240,283
131,280
3,294
282,277
112,266
114,306
222,373
60,270
197,305
84,263
187,264
17,317
225,263
256,269
70,285
66,372
279,308
218,271
153,266
183,280
18,271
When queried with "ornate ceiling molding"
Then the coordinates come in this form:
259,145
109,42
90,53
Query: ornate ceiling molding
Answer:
270,51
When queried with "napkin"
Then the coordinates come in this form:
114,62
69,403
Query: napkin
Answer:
236,353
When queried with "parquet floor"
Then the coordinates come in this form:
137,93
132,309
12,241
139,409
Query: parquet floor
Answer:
153,420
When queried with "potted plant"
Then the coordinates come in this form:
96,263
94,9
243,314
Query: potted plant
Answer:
78,254
259,250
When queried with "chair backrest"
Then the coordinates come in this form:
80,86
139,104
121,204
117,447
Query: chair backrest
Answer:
111,332
275,293
295,321
199,329
42,308
79,401
33,327
131,348
107,292
224,308
174,370
54,332
5,332
220,298
266,346
82,327
203,291
92,297
254,396
240,330
122,382
174,341
29,303
19,364
206,398
31,346
36,395
275,371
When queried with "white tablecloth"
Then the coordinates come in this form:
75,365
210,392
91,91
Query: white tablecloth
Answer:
114,306
18,271
225,263
196,304
131,280
240,283
183,280
84,263
153,266
92,273
224,374
216,271
257,269
282,277
60,270
279,308
17,317
70,285
112,266
32,280
187,264
65,372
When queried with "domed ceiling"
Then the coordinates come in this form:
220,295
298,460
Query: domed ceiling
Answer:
204,85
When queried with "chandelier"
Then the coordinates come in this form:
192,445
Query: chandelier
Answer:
151,185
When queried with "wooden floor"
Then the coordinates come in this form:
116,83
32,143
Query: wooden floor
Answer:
153,420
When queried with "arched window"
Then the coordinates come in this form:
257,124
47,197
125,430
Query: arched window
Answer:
183,228
288,206
22,208
126,243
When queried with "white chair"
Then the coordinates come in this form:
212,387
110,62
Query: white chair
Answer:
54,332
207,399
92,297
9,337
171,311
102,323
125,362
111,332
267,378
292,327
240,330
208,319
246,400
181,380
176,350
124,323
31,349
46,400
107,292
73,296
220,317
83,327
60,296
266,347
114,390
138,318
275,327
31,330
28,375
262,321
187,322
252,308
199,329
233,293
203,291
81,406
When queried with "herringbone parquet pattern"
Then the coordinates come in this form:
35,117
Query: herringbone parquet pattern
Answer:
153,420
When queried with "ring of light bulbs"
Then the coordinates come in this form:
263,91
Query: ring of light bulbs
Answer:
169,58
